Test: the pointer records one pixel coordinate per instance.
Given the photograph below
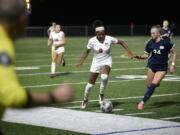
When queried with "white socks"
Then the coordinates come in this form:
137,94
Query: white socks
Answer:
87,90
53,68
104,81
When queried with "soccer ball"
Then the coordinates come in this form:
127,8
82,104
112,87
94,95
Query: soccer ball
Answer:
106,107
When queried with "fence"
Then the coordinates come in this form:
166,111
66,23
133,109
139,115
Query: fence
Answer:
136,30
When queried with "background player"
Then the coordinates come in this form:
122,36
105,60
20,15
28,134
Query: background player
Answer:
52,28
166,30
13,18
57,40
102,61
156,51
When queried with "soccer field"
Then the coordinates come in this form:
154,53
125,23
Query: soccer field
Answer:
126,82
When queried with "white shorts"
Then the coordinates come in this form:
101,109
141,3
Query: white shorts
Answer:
58,50
97,67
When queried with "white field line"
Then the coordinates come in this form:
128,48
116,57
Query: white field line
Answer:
132,61
73,107
28,68
114,110
67,59
82,71
79,54
171,118
135,97
78,83
144,113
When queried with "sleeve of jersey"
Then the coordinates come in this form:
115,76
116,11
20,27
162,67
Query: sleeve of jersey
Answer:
114,40
147,48
12,94
89,45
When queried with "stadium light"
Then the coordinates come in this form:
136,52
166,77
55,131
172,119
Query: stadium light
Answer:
28,6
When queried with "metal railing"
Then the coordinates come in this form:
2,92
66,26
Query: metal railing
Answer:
86,31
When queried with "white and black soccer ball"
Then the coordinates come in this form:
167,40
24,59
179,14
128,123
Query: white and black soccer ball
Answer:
106,107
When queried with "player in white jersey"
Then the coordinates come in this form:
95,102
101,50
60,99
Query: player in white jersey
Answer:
57,40
102,60
52,28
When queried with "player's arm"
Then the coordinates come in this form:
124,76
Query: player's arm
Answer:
125,46
174,57
12,94
147,52
142,57
83,57
50,40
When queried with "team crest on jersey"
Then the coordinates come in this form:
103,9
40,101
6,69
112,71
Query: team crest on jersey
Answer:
161,47
106,43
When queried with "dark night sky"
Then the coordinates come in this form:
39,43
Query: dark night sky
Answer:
74,12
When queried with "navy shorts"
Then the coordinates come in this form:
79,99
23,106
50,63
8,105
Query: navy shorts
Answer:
156,68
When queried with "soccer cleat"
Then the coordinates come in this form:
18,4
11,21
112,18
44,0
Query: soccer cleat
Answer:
140,106
101,98
52,75
84,104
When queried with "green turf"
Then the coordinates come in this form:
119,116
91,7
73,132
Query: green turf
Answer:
35,52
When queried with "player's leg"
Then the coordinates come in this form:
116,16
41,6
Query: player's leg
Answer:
60,56
104,81
158,76
150,77
88,88
53,64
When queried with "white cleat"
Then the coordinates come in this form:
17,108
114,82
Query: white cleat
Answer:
84,104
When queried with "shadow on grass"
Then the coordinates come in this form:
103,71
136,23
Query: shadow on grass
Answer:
165,104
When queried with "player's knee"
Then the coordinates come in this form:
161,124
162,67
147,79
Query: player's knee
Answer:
90,85
104,77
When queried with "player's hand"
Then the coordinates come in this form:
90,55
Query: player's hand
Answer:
130,55
64,93
172,69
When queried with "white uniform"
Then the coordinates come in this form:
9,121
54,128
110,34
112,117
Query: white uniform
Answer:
104,58
57,39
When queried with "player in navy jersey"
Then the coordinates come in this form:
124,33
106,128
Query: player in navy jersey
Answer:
166,30
157,51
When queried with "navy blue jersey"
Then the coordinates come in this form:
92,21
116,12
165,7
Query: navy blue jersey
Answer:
166,31
159,53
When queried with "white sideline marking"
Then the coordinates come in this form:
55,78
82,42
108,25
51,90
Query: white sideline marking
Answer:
135,97
90,122
27,68
114,110
82,71
78,83
68,59
171,118
73,107
144,113
135,61
171,78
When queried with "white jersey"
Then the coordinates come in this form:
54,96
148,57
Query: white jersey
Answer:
95,45
57,37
